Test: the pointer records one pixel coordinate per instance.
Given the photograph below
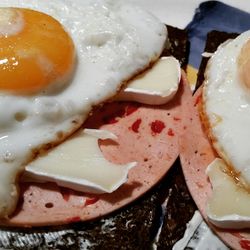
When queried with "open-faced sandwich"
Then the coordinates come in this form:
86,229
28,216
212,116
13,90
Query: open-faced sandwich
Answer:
60,62
215,141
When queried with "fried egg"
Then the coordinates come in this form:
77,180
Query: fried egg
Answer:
226,105
58,59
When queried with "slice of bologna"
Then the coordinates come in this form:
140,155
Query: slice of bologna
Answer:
146,134
196,153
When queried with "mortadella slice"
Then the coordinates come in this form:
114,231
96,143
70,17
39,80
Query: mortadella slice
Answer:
146,134
196,153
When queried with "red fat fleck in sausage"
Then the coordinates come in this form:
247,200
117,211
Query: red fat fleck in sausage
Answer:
90,201
245,244
170,132
157,126
135,126
177,118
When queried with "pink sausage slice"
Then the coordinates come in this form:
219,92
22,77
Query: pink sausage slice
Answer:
147,134
196,153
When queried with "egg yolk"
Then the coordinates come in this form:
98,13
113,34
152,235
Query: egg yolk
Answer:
244,64
35,51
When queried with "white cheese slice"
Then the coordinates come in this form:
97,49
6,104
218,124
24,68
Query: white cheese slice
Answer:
79,164
229,206
155,86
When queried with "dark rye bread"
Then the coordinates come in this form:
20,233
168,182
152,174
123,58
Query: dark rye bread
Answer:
132,227
214,39
179,209
177,45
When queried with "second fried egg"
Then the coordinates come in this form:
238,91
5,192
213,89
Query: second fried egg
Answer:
226,105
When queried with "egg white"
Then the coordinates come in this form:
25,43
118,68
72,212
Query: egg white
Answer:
226,106
113,41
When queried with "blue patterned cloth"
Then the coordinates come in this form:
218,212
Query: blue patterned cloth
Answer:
213,15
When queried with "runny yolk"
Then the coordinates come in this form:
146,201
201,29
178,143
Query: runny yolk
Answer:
35,51
244,64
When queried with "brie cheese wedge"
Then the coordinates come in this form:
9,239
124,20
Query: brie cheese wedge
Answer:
229,206
156,86
79,164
